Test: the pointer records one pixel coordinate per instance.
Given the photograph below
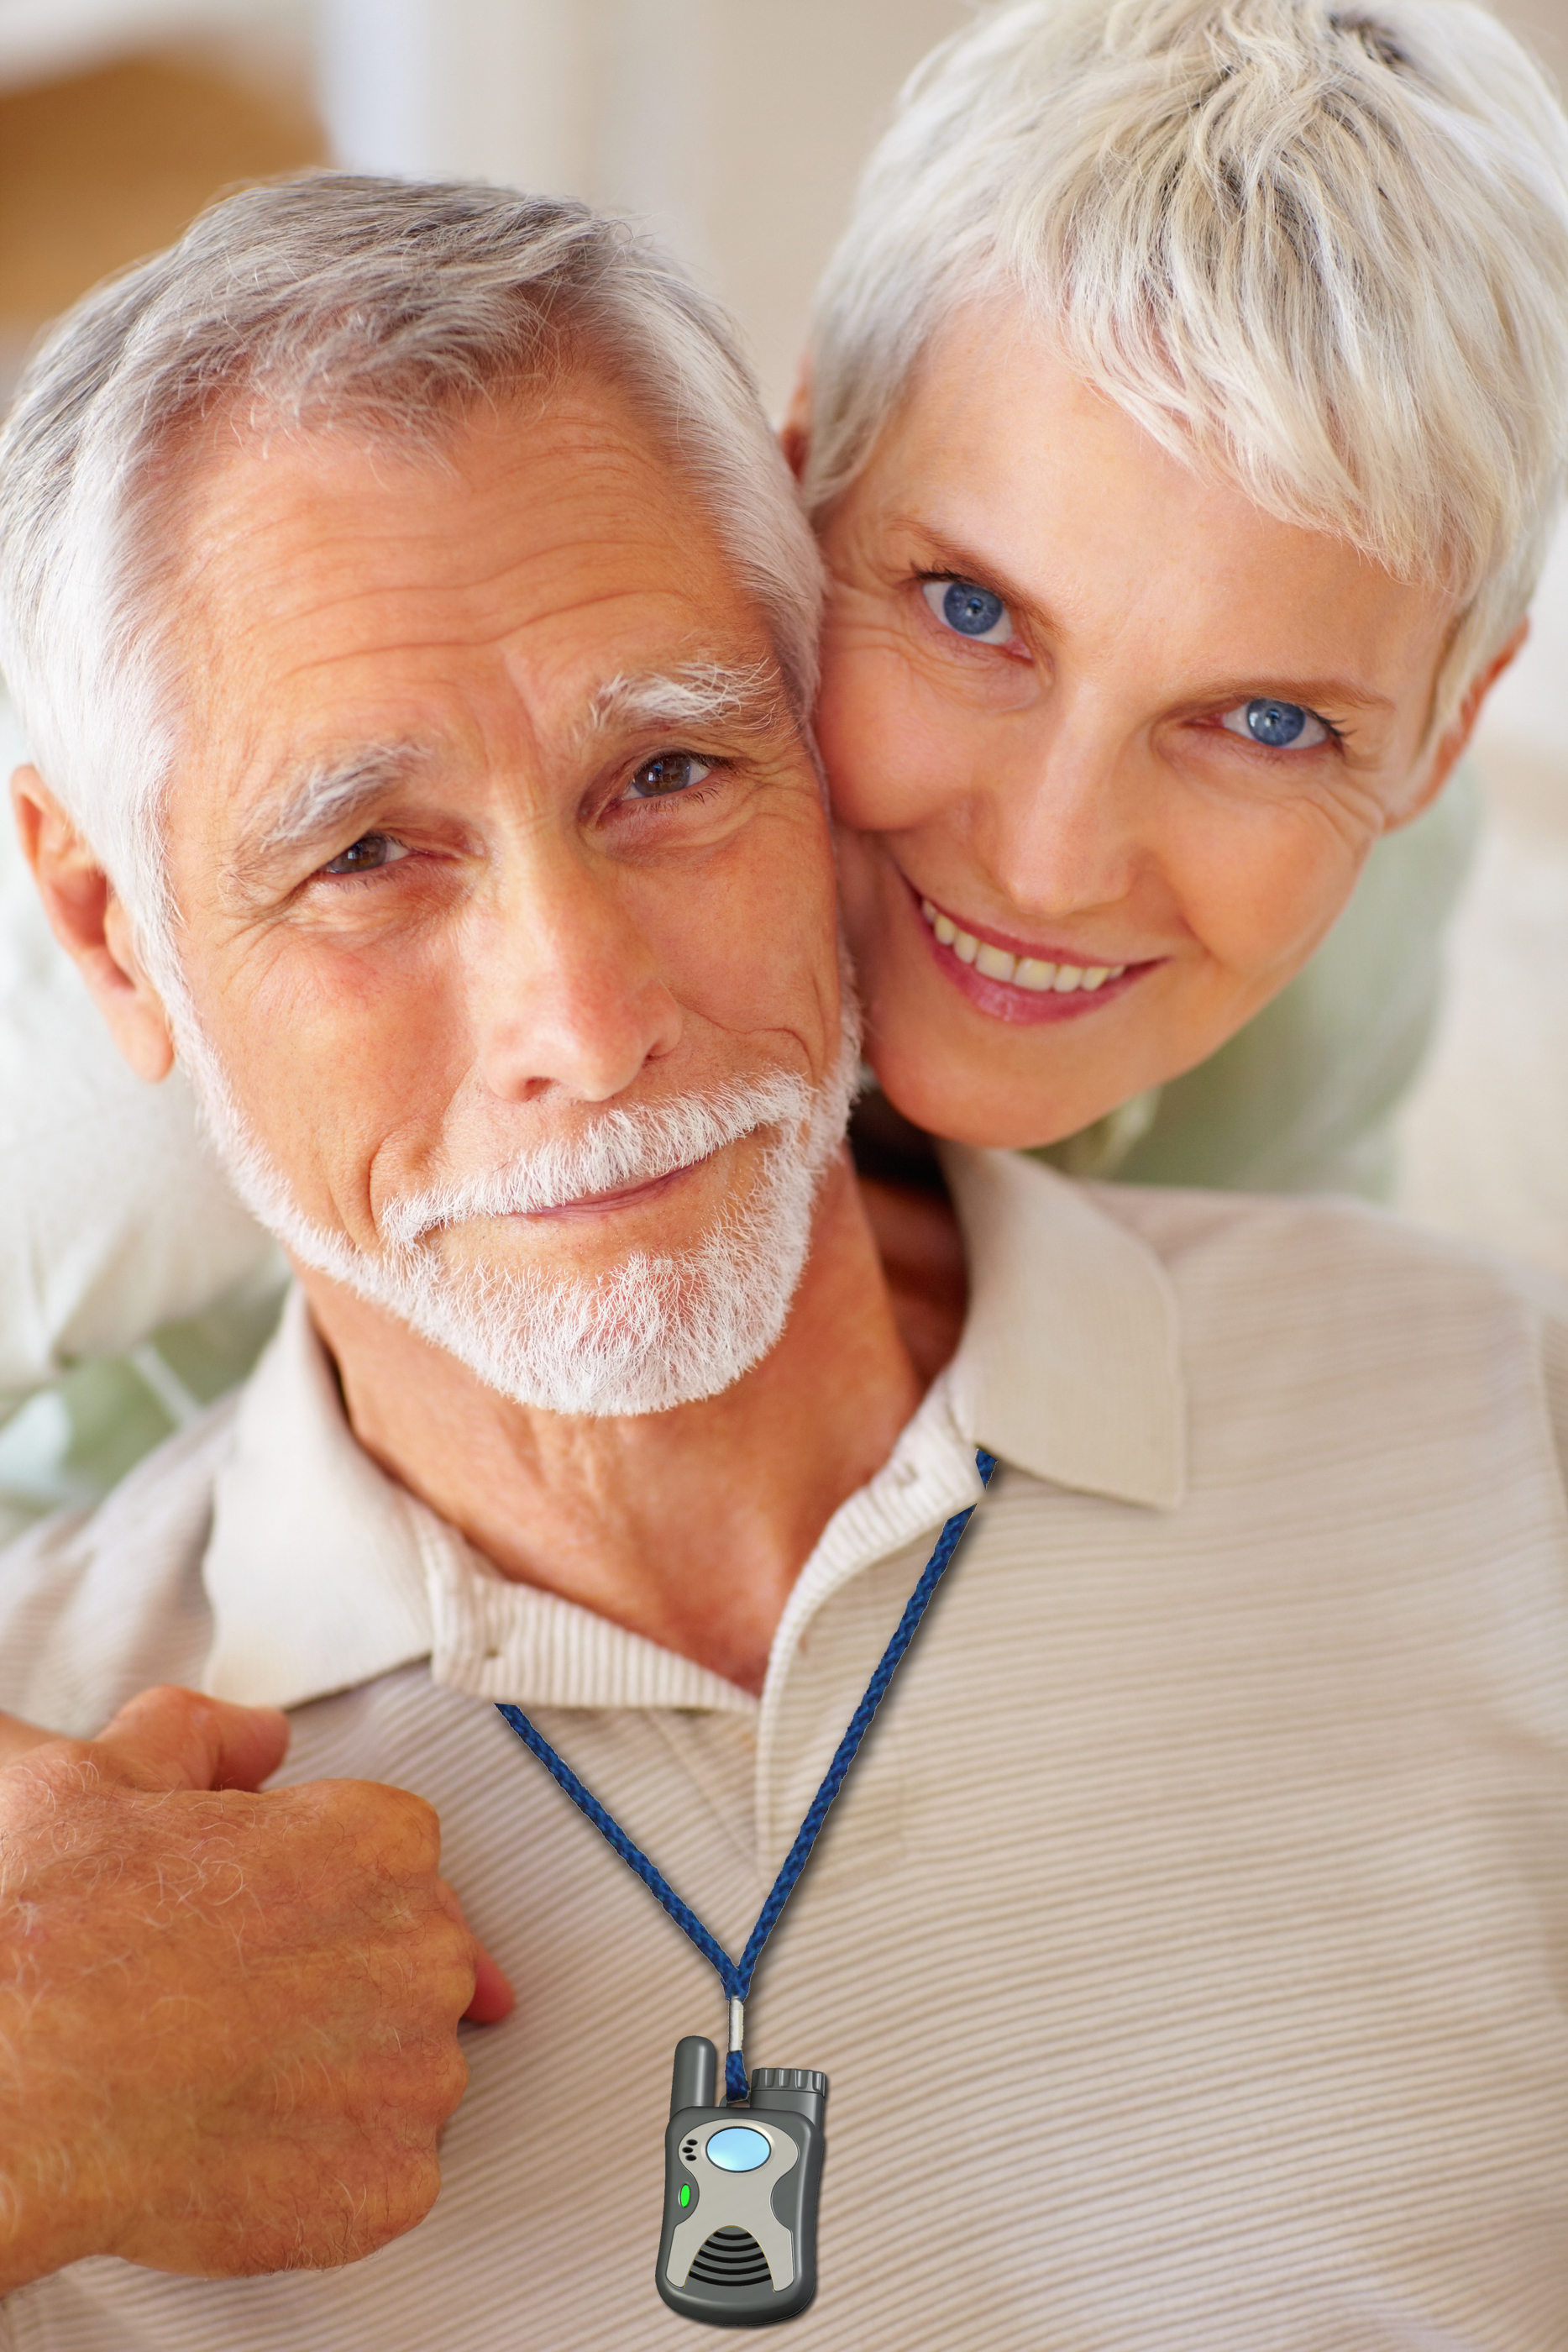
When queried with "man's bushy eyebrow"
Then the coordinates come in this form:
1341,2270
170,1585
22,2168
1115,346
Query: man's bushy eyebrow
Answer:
324,800
318,802
706,694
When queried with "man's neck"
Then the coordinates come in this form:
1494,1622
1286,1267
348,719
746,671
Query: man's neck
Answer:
688,1526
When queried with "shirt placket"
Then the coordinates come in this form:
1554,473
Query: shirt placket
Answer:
931,1475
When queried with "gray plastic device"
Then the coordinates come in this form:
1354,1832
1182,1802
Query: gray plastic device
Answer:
739,2241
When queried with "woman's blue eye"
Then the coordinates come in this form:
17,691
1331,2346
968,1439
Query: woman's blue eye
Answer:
975,613
1280,726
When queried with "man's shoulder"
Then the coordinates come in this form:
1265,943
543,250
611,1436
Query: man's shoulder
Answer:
1333,1288
95,1605
1315,1249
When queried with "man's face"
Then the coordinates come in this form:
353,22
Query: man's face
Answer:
1126,736
491,819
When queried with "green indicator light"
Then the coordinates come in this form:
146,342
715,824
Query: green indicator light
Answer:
686,2192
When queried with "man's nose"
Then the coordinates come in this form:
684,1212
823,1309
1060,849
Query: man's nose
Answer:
565,989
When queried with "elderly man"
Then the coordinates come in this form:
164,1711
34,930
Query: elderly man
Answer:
414,628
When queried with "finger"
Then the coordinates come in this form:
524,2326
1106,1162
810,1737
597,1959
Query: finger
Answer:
493,1996
16,1738
170,1738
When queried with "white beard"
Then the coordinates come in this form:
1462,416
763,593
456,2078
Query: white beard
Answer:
657,1331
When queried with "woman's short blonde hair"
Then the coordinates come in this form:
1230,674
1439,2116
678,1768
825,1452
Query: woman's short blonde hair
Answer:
1322,249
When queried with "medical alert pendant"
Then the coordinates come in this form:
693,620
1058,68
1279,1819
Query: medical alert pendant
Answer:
739,2242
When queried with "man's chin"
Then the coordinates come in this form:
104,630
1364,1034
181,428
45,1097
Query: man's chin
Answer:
605,1331
629,1333
654,1334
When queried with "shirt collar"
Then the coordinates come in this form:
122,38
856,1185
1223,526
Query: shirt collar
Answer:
322,1572
1070,1366
315,1568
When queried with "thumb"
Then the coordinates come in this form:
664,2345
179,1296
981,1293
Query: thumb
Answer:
170,1738
493,1996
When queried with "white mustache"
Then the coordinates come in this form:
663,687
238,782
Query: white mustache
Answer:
622,1147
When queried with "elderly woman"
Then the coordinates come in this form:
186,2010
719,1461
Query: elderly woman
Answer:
1184,425
1184,428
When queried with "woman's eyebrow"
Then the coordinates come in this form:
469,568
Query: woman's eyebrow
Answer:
964,563
1311,693
959,563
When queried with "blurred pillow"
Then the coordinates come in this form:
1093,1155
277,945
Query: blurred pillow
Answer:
113,1216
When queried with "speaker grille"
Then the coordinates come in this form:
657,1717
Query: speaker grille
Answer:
732,2258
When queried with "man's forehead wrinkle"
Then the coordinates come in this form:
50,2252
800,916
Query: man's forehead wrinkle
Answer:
353,550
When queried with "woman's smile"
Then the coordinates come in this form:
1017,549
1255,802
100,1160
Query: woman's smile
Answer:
1021,980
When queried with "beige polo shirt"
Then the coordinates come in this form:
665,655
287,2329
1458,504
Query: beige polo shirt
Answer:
1188,1949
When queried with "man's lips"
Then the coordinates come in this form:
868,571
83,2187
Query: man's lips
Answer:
1021,980
626,1196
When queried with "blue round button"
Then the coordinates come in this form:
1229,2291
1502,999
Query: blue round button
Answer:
739,2150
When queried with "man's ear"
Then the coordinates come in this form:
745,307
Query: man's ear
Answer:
1460,728
795,433
92,925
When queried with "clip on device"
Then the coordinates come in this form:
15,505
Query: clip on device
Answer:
739,2242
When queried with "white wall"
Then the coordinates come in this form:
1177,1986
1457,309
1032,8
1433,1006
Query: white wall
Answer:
496,88
1525,723
734,127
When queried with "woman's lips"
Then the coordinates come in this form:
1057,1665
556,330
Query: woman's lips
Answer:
1014,980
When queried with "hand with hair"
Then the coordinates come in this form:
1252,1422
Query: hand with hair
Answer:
228,2021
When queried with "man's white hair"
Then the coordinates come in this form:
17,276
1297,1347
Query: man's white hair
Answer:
329,302
1321,249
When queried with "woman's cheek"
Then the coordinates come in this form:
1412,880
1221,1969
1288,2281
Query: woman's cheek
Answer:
871,749
858,897
845,737
1262,898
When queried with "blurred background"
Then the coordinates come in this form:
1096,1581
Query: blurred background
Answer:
734,127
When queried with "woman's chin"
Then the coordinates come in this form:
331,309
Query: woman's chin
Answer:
989,1111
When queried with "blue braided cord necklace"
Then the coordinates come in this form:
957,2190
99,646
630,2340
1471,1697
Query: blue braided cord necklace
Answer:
735,1975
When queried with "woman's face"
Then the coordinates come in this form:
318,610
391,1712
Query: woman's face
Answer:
1108,744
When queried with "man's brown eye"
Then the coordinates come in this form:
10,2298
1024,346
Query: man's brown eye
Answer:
671,772
364,856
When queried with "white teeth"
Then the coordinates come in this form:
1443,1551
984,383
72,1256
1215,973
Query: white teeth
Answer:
1023,971
1034,974
996,962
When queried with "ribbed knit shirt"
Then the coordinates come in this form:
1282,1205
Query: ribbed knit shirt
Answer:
1188,1950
